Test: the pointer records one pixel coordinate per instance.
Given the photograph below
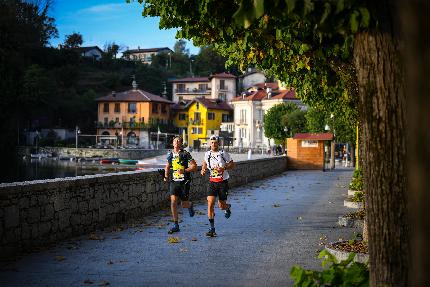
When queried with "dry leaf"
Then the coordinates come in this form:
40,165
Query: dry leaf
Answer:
94,236
172,240
276,205
60,258
110,262
88,281
183,250
193,239
104,283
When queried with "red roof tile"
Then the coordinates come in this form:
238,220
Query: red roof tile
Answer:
313,136
222,75
133,96
273,86
260,95
190,80
214,104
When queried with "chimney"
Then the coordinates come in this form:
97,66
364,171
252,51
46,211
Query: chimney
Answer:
269,92
134,84
113,94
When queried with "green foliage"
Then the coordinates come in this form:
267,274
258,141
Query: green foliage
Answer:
295,121
343,274
357,173
356,183
358,197
273,123
306,44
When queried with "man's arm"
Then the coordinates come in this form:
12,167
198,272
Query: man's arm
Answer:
230,165
204,168
192,166
166,171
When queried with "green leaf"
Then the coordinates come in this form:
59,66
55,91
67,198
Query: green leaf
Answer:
365,17
258,8
327,10
291,4
340,5
353,21
308,6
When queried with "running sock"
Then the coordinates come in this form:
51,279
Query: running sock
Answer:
212,222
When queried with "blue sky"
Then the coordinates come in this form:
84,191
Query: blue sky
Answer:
101,21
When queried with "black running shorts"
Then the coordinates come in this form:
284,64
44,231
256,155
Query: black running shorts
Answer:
219,189
180,189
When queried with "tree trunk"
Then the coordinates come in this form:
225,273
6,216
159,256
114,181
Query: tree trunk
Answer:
416,28
382,114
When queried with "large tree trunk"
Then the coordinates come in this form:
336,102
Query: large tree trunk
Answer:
416,28
382,114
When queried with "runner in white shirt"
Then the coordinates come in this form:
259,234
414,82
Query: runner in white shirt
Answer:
217,162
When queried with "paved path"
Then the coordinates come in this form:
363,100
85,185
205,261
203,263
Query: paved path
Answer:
275,223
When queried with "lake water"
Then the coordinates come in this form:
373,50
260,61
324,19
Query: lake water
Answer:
20,169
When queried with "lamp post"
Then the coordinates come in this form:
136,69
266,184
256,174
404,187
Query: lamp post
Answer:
158,136
77,132
122,136
170,60
191,69
332,143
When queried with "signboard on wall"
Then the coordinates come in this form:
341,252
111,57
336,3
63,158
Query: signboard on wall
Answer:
309,143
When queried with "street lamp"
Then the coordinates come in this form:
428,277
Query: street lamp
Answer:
170,60
122,136
77,132
191,69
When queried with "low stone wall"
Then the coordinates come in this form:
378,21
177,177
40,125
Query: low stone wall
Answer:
46,211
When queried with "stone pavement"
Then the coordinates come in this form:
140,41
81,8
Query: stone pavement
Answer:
276,223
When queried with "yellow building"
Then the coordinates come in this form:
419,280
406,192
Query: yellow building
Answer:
201,118
124,118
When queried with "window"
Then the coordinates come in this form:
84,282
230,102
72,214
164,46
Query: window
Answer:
155,108
163,109
196,131
117,108
222,96
106,108
105,122
182,117
132,108
197,117
197,106
225,118
117,120
203,87
211,116
242,116
212,132
222,84
142,119
180,88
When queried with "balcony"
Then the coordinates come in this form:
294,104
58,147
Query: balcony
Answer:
227,127
222,88
134,125
193,91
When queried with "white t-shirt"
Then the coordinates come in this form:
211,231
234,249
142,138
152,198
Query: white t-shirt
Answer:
214,159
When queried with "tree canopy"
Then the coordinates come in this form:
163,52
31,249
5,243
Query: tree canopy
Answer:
73,40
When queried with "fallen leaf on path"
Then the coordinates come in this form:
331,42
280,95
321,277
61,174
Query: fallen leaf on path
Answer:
110,262
94,236
173,240
88,281
60,258
104,283
276,205
183,250
193,239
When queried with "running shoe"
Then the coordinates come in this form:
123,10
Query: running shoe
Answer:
211,232
227,212
191,210
174,229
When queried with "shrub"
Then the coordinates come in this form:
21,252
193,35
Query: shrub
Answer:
345,273
357,181
358,197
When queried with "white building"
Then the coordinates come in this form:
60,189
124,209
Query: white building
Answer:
250,78
249,109
145,55
218,86
90,52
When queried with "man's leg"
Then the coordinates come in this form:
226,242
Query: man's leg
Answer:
222,202
174,209
185,196
211,215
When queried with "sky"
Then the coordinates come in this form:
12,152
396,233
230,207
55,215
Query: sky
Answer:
102,21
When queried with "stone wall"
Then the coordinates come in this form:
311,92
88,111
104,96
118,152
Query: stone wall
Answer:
46,211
